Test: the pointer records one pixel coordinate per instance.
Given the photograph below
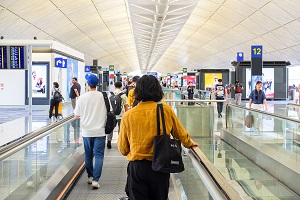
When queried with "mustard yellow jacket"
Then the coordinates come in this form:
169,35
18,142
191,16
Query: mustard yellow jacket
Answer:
138,129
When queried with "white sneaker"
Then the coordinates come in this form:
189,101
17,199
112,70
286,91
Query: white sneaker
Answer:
95,185
90,180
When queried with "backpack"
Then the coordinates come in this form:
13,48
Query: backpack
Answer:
110,117
116,102
57,96
238,88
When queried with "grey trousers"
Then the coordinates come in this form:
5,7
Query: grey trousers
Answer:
73,101
238,98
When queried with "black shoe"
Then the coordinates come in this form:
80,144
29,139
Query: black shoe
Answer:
218,115
108,144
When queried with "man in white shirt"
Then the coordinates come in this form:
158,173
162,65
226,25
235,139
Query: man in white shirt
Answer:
91,110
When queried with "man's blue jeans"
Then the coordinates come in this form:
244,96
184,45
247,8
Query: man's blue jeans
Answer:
94,146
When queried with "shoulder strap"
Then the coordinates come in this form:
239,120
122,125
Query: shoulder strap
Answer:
106,101
160,109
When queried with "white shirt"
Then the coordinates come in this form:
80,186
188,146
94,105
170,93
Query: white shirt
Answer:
92,111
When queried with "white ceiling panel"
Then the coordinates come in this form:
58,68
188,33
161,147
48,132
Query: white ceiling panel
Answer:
160,35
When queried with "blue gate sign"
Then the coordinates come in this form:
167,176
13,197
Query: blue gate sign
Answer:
256,51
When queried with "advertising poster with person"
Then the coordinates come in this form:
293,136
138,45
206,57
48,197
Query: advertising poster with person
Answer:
72,67
211,79
267,80
39,80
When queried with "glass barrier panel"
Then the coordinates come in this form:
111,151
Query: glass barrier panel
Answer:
248,179
23,173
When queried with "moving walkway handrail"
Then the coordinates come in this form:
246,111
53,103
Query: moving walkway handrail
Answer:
16,145
292,104
217,179
281,117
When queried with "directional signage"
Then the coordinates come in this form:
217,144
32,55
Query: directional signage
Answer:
87,69
59,62
256,51
3,58
17,57
240,56
64,63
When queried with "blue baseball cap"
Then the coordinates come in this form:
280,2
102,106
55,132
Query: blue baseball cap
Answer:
92,79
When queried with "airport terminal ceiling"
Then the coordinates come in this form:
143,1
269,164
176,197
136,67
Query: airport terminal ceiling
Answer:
159,35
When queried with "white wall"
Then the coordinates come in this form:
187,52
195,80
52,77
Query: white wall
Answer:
13,90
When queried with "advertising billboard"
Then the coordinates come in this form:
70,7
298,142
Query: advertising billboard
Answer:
211,79
267,80
39,80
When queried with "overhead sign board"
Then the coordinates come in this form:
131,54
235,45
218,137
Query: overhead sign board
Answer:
17,57
3,57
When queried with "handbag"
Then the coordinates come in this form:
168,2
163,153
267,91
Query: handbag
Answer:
249,120
167,152
110,117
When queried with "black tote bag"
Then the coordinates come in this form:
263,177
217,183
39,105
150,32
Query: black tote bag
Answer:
167,152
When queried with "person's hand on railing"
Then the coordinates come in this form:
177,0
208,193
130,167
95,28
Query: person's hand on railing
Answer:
195,144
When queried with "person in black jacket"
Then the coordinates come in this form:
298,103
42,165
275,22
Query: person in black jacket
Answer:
190,90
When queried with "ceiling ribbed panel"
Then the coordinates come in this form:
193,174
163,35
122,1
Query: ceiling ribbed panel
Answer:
99,28
156,23
218,29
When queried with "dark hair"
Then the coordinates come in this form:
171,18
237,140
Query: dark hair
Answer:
56,84
237,81
129,82
118,84
219,80
148,89
74,78
258,82
135,78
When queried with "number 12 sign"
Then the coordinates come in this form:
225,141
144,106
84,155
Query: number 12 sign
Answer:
256,51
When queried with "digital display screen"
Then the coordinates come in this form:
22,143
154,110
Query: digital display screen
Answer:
17,60
3,58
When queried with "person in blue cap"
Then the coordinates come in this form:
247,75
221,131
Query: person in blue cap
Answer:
91,110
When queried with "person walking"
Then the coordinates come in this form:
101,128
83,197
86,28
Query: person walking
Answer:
257,100
74,92
91,110
297,100
136,138
54,102
238,88
131,98
124,107
220,93
190,90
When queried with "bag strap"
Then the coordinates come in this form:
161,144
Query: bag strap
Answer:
160,109
106,101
